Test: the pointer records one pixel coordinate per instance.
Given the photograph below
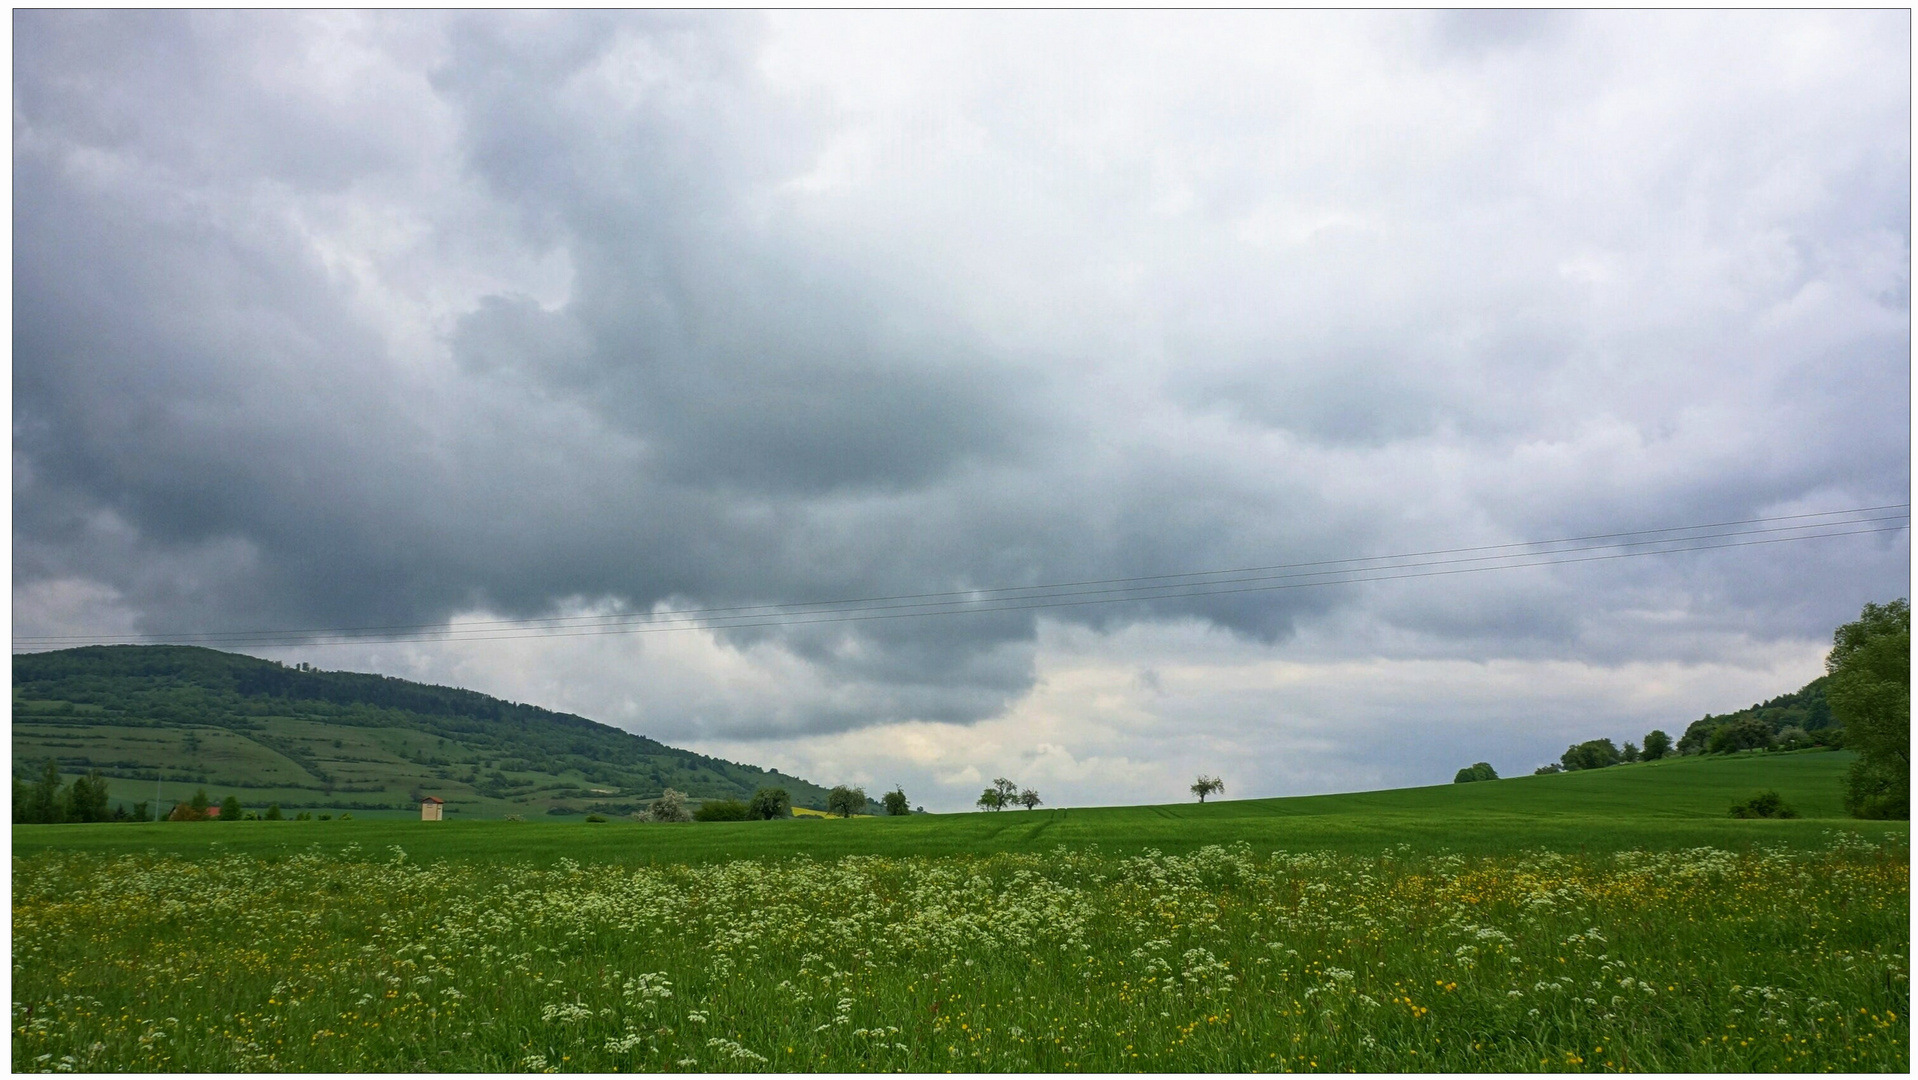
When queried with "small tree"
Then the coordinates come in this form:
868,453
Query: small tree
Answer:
895,802
86,799
43,800
846,801
273,812
1631,753
1008,791
1207,785
670,806
770,804
1029,798
1657,745
230,810
198,804
991,799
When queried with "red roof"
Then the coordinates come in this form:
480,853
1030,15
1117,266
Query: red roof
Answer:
433,798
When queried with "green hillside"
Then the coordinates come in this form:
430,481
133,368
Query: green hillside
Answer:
1673,804
189,717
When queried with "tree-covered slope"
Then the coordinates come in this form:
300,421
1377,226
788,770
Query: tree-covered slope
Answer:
308,738
1804,709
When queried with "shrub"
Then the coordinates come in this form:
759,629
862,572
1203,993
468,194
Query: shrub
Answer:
1766,804
770,804
669,807
1593,754
1476,773
722,810
595,819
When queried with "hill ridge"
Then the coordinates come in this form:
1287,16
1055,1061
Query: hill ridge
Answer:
143,712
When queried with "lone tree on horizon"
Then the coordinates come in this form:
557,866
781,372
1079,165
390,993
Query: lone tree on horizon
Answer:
846,801
1029,798
1207,785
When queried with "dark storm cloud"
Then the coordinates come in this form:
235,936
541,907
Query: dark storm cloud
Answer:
341,320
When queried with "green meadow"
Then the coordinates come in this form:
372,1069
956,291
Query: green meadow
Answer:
1612,920
1678,802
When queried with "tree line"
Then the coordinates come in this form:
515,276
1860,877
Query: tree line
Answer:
769,804
51,801
1862,703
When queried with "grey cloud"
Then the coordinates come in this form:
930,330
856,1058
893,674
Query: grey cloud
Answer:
290,349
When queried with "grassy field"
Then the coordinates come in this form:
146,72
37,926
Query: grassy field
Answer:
1617,920
1657,806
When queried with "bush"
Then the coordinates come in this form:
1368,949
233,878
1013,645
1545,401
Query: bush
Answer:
669,807
1595,754
595,819
722,810
1479,771
770,804
1766,804
1547,769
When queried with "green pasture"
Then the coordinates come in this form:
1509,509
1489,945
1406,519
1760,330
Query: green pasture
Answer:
1663,805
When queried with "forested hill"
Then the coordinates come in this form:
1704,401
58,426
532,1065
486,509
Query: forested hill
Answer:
1802,715
304,737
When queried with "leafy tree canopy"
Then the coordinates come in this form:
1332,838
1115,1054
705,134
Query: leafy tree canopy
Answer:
1870,692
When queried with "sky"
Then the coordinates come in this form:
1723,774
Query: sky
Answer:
328,319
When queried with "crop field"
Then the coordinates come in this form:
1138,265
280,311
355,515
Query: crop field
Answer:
1276,935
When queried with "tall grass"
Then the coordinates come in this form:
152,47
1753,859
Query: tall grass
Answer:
1221,959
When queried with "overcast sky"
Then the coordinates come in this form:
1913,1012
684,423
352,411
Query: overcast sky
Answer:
328,319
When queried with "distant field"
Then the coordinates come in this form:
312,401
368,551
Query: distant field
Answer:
1657,806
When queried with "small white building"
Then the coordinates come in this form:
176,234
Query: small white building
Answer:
431,807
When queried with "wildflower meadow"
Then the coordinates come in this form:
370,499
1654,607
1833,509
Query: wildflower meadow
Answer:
1225,958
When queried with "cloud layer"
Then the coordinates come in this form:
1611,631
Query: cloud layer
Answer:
329,319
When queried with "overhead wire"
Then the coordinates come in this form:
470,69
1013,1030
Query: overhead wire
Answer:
1193,584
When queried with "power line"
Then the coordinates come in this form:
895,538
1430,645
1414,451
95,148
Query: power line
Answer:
1079,594
976,595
